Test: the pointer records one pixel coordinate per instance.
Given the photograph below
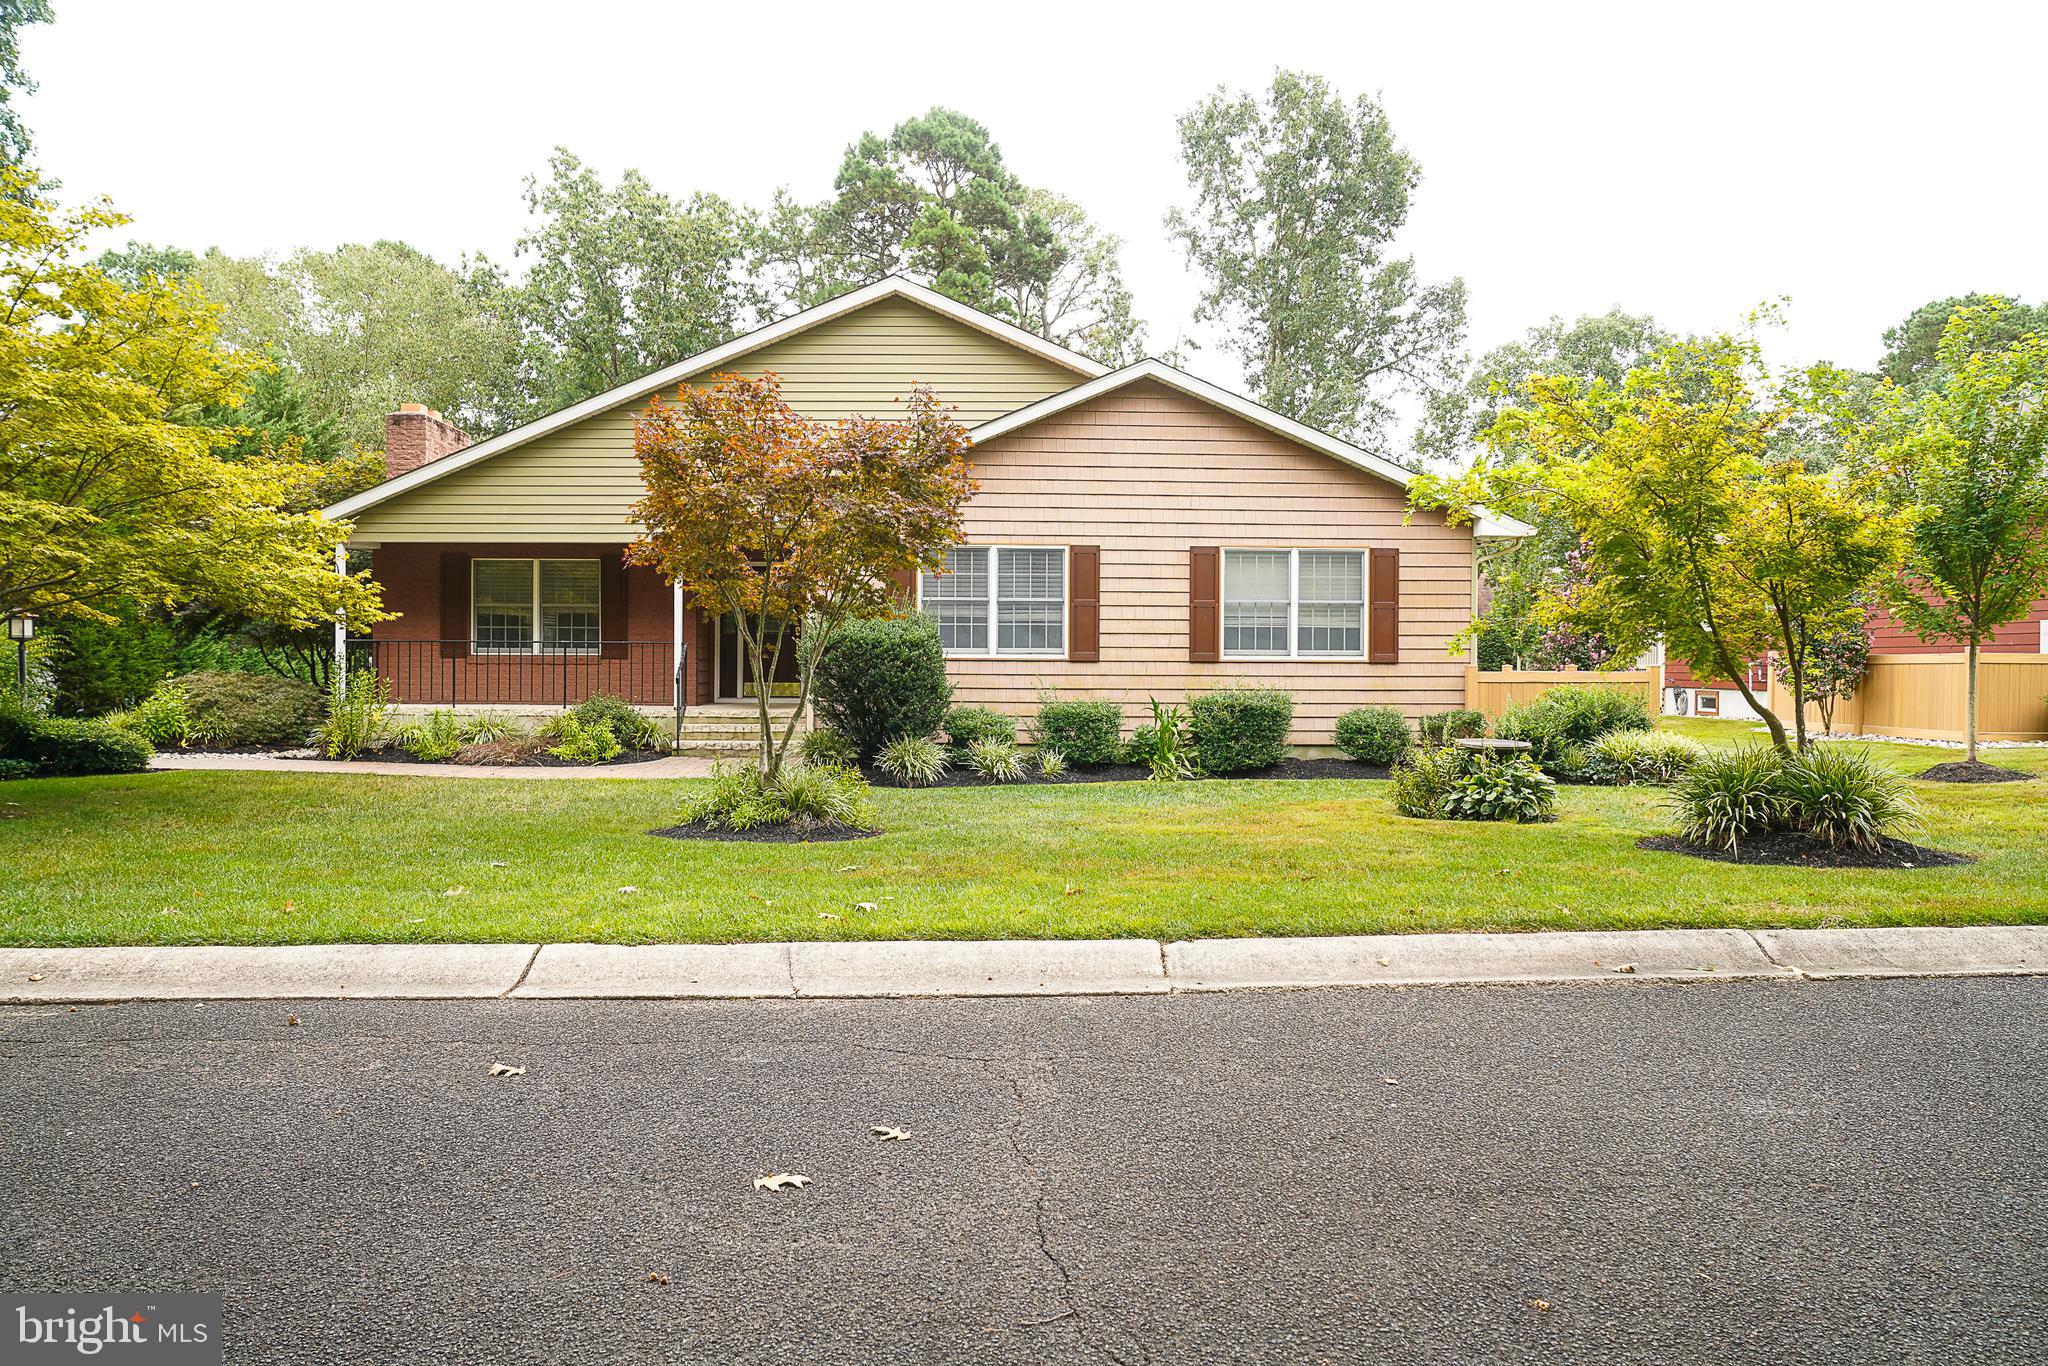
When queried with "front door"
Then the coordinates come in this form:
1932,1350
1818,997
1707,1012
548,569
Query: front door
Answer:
735,670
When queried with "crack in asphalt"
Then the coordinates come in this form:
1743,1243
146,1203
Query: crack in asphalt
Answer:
1040,1216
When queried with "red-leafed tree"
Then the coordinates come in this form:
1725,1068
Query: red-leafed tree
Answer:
791,525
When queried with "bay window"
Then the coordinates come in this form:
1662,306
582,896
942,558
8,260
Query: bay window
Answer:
1293,603
999,600
535,605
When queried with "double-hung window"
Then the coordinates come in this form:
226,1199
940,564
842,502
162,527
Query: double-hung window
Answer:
1290,604
535,605
1000,600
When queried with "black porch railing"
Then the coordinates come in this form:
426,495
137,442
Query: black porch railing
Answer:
462,673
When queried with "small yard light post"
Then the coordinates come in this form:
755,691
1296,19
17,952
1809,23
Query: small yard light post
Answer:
21,628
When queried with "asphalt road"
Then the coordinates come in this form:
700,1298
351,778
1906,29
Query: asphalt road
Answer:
1728,1172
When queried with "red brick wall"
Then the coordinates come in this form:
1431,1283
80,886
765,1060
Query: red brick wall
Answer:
411,578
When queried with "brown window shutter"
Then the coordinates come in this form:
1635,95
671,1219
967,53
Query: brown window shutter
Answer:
1205,616
906,586
1383,608
611,606
455,622
1084,603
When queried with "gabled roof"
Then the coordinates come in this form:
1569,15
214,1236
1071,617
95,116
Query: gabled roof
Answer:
891,287
1484,522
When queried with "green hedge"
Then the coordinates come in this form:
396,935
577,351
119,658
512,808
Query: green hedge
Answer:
882,680
54,747
967,726
1374,735
1238,729
229,710
1087,732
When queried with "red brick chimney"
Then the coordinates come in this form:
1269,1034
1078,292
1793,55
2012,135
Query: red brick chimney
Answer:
416,434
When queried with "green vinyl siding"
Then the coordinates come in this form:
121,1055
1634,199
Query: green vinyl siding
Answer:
577,484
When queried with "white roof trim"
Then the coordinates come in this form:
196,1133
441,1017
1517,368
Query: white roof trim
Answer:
894,286
1484,522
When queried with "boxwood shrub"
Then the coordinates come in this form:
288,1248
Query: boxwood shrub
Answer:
1374,735
54,747
1088,732
235,709
881,680
970,726
1236,729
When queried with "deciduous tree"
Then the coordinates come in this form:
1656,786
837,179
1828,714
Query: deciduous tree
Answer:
776,519
107,490
1298,196
1967,454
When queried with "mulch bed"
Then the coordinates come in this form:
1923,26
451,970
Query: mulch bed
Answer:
959,775
1794,849
395,755
1972,771
796,832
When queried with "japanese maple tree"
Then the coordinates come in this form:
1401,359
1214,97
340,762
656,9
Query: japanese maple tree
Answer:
790,525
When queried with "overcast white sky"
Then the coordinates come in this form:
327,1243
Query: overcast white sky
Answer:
1687,161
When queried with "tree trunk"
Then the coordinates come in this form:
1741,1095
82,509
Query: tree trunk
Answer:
1970,707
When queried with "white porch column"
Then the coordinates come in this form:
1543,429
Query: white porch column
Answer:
341,624
676,659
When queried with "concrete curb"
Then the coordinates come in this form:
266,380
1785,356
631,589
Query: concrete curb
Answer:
1036,967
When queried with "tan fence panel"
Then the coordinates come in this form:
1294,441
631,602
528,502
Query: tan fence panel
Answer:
1922,697
1493,691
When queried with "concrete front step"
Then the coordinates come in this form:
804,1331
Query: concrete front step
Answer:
717,748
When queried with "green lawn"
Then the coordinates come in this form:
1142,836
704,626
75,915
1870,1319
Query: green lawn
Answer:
180,858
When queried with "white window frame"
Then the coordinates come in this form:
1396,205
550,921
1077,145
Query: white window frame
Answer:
534,646
1293,553
994,591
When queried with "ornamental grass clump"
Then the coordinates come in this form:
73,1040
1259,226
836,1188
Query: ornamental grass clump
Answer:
1730,796
914,760
1845,799
358,715
1653,757
432,739
996,760
739,798
822,746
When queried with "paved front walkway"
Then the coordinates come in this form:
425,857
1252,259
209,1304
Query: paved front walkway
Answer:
675,766
1072,967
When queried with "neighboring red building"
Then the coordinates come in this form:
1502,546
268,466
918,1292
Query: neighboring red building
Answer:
2025,637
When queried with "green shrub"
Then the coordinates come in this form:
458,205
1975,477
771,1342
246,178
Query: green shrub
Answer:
882,679
231,710
1573,715
58,747
1511,789
1628,757
738,798
1236,729
358,714
1051,764
100,666
1085,732
1846,799
1170,753
583,744
631,727
1374,735
1730,795
1139,748
968,726
996,760
821,746
433,738
491,728
1459,723
162,718
913,760
1423,781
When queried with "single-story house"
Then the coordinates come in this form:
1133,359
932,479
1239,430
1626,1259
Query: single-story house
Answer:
1137,533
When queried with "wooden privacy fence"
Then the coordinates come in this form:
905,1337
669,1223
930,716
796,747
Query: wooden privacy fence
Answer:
1922,697
1493,691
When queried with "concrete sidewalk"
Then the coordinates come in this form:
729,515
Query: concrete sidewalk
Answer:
1078,967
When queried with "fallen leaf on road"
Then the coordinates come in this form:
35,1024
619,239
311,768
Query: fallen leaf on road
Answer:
35,977
291,1020
780,1181
1540,1306
499,1069
1384,962
1624,967
657,1278
1391,1081
887,1134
